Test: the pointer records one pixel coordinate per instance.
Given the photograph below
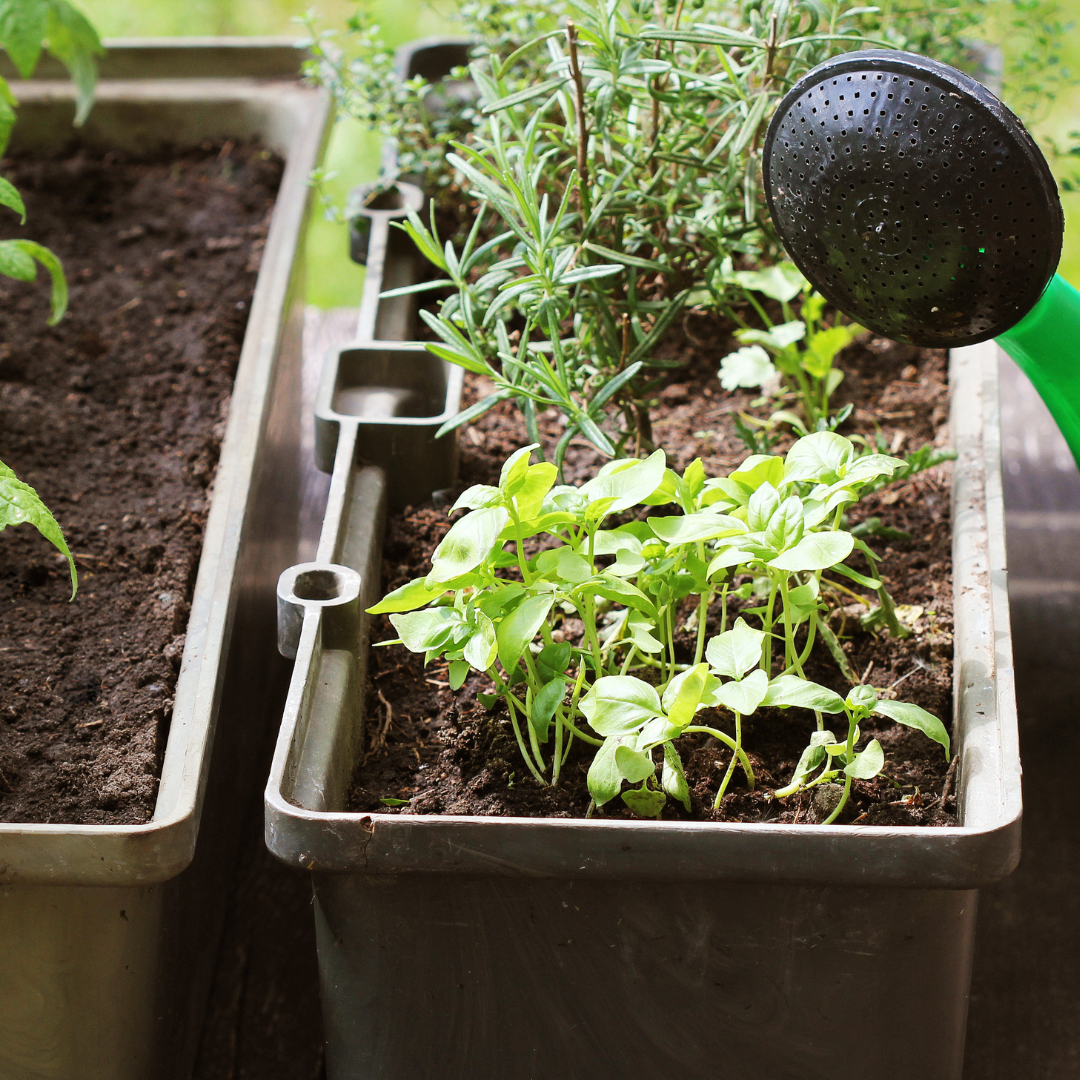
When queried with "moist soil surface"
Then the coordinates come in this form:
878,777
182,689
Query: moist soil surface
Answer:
115,416
441,752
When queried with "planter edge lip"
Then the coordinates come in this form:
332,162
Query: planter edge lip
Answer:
956,857
159,849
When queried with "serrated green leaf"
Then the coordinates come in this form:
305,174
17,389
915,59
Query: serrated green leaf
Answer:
23,25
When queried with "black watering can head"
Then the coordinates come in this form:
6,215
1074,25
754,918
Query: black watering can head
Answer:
911,198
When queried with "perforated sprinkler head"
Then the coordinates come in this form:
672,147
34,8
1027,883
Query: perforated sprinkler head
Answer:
912,198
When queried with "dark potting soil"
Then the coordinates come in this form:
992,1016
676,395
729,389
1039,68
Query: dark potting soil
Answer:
443,753
115,416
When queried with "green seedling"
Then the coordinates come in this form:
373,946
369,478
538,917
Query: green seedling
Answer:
27,27
800,352
19,504
498,602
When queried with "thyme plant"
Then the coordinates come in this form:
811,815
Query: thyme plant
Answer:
580,635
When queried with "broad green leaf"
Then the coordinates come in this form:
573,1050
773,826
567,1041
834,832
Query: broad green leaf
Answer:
554,659
746,695
11,198
644,801
811,759
619,705
673,779
746,367
822,347
820,456
515,469
903,712
518,629
458,672
731,556
23,25
778,338
673,688
785,527
818,551
480,649
862,697
407,598
690,528
75,43
468,543
782,282
605,780
477,497
633,765
529,496
756,470
20,503
870,466
735,652
640,628
627,482
656,731
692,688
867,764
761,507
613,541
16,260
787,690
427,630
544,705
622,592
564,564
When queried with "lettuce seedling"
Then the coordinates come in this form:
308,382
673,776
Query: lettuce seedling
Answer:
578,633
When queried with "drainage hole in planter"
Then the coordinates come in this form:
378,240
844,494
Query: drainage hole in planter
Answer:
318,585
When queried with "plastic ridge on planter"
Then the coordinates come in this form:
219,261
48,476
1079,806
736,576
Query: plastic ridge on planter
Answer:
108,933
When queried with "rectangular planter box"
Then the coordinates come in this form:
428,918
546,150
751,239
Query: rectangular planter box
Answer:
108,933
473,948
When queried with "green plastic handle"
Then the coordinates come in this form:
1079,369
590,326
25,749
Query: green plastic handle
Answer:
1045,344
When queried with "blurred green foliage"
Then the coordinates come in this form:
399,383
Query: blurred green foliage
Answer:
354,154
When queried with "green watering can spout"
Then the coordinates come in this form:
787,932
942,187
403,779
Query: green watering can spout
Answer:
1045,344
917,203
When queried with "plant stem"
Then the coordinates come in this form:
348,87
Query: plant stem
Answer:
521,741
579,117
731,764
841,804
728,741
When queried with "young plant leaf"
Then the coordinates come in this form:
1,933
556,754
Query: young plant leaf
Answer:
517,630
604,779
673,779
457,673
788,690
903,712
627,482
644,801
619,705
427,630
468,543
480,648
735,652
407,598
633,765
745,695
20,503
818,551
544,705
867,764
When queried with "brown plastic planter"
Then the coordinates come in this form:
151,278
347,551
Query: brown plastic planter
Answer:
470,948
108,933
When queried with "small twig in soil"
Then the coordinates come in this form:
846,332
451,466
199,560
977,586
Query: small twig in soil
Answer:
390,671
91,723
950,776
866,673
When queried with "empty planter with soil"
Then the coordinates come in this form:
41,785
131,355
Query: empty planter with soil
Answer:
156,419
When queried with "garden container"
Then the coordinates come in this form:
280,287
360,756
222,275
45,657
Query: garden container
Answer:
472,948
108,933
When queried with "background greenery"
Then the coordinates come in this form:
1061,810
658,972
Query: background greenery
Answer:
354,154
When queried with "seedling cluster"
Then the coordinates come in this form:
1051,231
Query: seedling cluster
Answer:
576,618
